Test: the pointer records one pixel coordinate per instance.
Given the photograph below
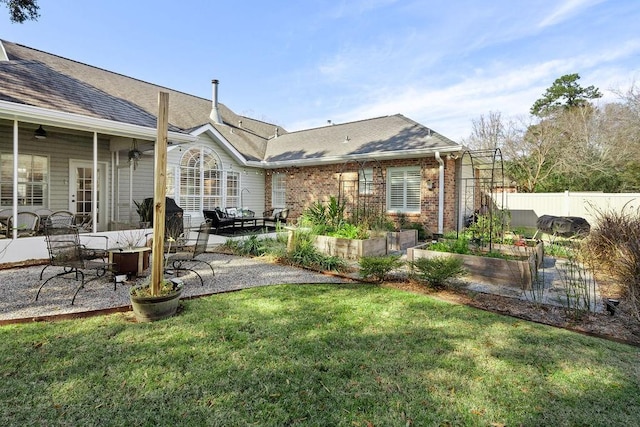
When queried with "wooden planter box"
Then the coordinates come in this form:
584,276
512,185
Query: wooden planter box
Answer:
401,240
130,261
351,248
493,270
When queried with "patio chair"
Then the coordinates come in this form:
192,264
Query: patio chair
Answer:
60,219
27,223
66,251
218,219
4,218
186,255
275,215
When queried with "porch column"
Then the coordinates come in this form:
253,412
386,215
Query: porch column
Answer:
15,177
94,192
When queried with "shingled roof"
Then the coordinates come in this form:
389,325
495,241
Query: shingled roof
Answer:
33,77
379,137
186,112
33,83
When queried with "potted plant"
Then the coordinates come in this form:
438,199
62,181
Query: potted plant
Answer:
148,308
145,211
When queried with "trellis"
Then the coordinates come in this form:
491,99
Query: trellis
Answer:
363,195
482,175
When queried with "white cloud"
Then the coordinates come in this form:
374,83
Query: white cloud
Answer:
501,87
566,10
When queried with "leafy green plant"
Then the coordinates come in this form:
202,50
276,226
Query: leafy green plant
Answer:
558,250
438,270
489,227
145,210
350,231
379,267
332,263
252,245
457,246
329,216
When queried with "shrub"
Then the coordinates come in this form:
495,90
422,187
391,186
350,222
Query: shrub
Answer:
252,245
332,263
437,271
378,267
614,244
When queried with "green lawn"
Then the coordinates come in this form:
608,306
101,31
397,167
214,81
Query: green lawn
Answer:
315,355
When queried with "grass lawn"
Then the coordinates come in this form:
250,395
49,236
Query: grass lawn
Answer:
315,355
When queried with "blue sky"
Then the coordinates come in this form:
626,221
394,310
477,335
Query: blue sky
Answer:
301,63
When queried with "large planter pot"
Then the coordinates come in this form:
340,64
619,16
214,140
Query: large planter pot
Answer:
351,248
150,308
130,261
517,273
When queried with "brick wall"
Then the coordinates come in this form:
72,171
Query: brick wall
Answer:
305,185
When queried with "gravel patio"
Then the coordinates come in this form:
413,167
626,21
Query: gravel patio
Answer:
18,287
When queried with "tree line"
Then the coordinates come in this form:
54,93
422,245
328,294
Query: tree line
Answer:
567,142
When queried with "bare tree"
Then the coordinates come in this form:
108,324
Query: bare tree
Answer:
490,132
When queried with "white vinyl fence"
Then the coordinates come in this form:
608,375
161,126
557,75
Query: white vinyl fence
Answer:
525,208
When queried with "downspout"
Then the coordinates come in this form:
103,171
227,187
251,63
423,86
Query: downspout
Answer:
440,193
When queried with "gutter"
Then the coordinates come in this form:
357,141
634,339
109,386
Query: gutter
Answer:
405,154
440,193
44,116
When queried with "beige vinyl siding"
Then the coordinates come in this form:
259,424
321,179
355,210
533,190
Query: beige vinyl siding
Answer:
142,187
59,148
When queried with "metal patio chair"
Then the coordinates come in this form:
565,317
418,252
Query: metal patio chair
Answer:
66,251
60,219
186,255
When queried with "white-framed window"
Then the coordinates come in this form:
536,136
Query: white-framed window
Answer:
233,189
278,190
171,182
203,184
33,180
365,181
403,189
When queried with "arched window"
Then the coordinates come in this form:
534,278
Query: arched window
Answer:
203,182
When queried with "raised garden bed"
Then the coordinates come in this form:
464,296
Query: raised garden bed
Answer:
401,240
351,248
512,272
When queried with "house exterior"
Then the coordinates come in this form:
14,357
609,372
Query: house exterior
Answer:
97,157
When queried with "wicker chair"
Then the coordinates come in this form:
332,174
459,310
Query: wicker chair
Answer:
27,224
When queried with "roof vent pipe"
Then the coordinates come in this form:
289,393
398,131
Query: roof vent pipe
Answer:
277,132
215,115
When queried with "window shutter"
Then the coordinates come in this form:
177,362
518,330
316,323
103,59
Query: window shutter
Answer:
404,189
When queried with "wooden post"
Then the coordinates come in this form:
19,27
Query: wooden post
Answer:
159,204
